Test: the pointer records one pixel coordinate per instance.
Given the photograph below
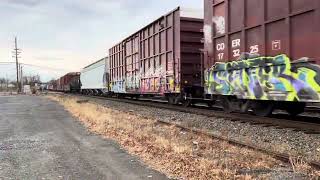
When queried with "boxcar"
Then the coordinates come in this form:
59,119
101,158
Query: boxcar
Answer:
59,83
94,78
69,82
52,86
162,59
262,53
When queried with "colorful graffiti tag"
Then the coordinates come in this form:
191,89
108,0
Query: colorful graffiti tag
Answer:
154,80
118,87
266,78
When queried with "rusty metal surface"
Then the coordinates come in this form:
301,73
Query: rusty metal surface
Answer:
64,82
266,27
117,68
161,58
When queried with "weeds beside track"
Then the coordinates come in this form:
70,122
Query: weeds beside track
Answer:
272,122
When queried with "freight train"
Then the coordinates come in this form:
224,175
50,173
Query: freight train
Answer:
257,55
94,78
67,83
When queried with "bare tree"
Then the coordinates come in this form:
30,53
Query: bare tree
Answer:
31,80
2,83
53,82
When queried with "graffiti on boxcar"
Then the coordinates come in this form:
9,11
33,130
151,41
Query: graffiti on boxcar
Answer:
220,25
207,31
153,80
118,87
133,81
265,78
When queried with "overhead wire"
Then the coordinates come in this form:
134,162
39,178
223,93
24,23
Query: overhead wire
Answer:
37,66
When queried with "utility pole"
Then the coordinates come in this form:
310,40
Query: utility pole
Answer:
21,77
17,61
7,81
16,56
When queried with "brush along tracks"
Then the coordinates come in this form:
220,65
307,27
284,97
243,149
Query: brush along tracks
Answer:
299,123
277,121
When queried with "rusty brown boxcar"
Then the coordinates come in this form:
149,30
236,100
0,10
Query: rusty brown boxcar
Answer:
264,50
59,86
163,58
266,27
69,82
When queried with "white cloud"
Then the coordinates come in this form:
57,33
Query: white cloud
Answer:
70,34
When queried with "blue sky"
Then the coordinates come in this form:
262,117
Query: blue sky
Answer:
68,34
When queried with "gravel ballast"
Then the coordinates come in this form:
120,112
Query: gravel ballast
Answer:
289,141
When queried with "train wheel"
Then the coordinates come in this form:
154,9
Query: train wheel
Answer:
210,104
186,100
186,103
295,109
137,97
263,108
244,106
173,100
121,96
226,104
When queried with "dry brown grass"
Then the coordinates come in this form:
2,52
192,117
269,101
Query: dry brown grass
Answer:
168,149
300,166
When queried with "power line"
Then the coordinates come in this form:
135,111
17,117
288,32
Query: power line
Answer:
8,62
45,67
38,66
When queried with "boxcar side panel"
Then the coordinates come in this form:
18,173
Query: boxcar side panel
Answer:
280,39
70,82
264,27
117,69
131,58
191,45
155,56
92,77
159,54
147,62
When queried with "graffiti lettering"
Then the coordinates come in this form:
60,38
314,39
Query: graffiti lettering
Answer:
220,47
207,30
236,53
254,49
251,79
219,22
236,43
220,56
276,45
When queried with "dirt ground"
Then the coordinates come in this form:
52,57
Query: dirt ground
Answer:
41,140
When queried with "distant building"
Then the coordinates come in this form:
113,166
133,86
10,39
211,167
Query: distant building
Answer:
11,86
27,89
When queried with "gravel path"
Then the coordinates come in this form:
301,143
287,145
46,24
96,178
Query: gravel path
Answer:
40,140
280,140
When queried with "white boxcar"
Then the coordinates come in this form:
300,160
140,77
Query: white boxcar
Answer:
94,78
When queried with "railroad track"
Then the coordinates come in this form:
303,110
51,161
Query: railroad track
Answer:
296,125
300,123
315,109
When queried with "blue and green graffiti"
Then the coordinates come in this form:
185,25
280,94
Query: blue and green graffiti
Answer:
266,78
